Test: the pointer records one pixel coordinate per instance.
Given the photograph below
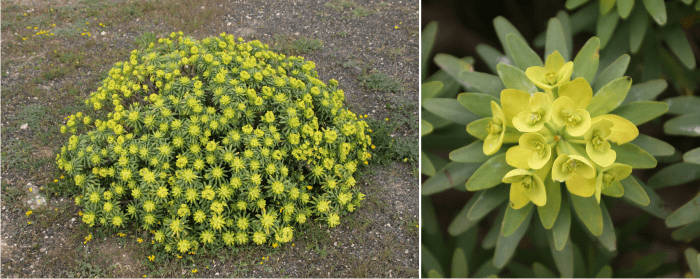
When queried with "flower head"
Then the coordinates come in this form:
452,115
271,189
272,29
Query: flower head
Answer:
554,73
525,187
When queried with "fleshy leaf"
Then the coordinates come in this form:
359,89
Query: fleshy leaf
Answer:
686,214
587,59
454,173
645,91
657,10
491,56
483,82
684,125
515,78
562,226
654,146
489,174
639,24
472,153
449,109
683,105
614,71
605,27
675,174
556,40
549,212
610,96
459,264
641,112
692,156
630,154
487,201
588,210
427,40
505,246
523,56
514,218
425,127
622,131
478,103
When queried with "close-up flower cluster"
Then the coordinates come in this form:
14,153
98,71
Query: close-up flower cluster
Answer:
215,142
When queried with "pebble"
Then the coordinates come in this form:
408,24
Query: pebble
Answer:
24,126
228,24
103,33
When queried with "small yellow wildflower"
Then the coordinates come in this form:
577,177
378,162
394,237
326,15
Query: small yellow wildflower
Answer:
29,213
151,257
309,187
29,222
373,147
80,213
61,175
194,270
139,240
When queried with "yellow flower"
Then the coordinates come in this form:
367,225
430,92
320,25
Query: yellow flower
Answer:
80,213
29,213
55,180
578,173
194,270
139,240
29,223
532,153
151,257
525,186
373,146
554,73
386,119
309,187
61,177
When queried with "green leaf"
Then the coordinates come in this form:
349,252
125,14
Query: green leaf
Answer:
519,270
642,111
645,91
566,27
523,56
684,125
564,258
605,272
556,39
453,66
679,45
485,83
461,223
693,258
486,270
472,153
487,201
692,156
615,71
452,174
515,78
687,2
459,264
505,246
430,163
429,262
450,86
549,212
491,56
450,109
686,214
478,103
589,212
646,264
430,89
542,271
675,174
607,238
687,233
479,128
639,24
624,7
609,97
656,204
634,192
657,10
606,6
489,174
573,4
683,105
427,40
425,127
697,8
492,235
562,226
632,155
503,28
653,146
583,19
586,61
514,218
606,26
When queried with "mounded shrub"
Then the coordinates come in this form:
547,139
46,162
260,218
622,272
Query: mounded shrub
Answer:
215,142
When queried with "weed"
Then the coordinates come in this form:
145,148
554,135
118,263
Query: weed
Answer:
350,63
286,45
34,115
396,51
378,81
339,5
145,39
361,12
341,34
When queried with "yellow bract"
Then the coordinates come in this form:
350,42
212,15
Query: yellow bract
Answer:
525,187
554,73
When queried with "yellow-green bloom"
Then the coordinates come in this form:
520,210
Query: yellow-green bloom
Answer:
538,112
532,153
608,180
576,121
578,173
597,147
525,186
554,73
496,130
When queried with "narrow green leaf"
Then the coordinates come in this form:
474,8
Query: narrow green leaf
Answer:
467,241
556,39
589,212
606,25
606,6
675,174
605,272
683,105
447,138
579,264
684,125
523,56
491,56
425,127
478,103
430,225
634,191
687,233
489,174
639,24
549,212
641,112
564,258
478,128
624,7
646,264
485,83
519,270
586,61
654,146
503,27
609,97
429,262
472,153
573,4
452,65
657,10
607,238
487,201
505,246
562,226
427,40
430,89
514,218
460,268
582,19
461,223
686,214
693,258
452,174
656,204
450,87
492,235
430,163
542,271
615,71
679,45
692,156
646,91
687,2
566,27
450,109
486,270
632,155
515,78
697,8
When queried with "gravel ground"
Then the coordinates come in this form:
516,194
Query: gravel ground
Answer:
379,240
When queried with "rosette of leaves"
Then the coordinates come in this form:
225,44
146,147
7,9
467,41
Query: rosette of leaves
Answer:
214,143
554,138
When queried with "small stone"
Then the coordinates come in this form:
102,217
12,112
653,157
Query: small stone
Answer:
72,219
228,24
42,250
103,33
216,274
202,8
24,126
374,258
406,251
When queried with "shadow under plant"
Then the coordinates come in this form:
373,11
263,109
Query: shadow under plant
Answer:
55,55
